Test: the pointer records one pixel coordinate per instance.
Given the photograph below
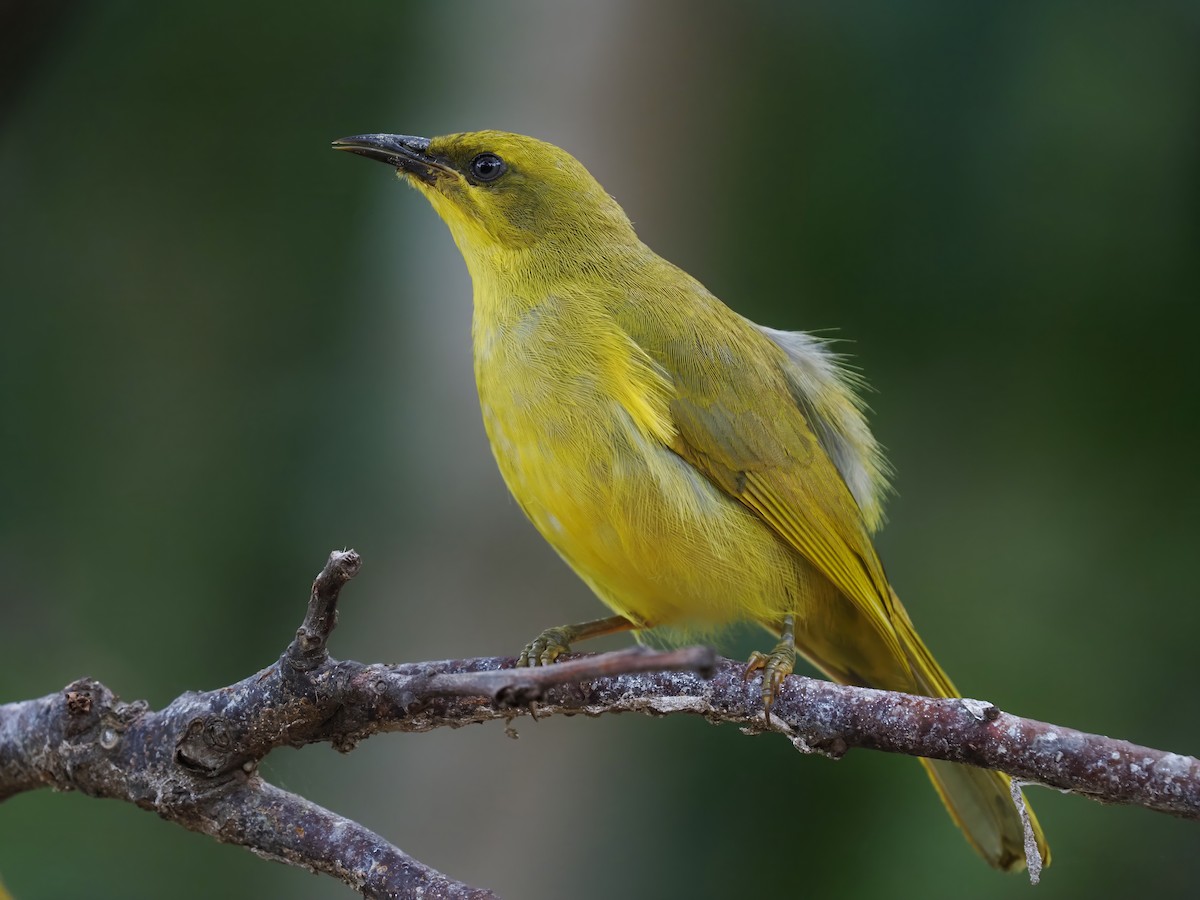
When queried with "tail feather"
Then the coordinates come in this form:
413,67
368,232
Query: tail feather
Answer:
981,804
979,801
845,645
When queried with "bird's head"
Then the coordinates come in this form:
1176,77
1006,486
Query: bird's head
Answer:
500,191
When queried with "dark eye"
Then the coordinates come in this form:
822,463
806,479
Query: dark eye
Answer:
487,167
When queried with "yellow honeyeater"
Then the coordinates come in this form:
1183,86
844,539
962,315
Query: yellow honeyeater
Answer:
694,468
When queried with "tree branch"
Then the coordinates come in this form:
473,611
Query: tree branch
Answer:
195,762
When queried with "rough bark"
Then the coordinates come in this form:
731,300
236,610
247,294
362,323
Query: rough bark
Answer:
195,762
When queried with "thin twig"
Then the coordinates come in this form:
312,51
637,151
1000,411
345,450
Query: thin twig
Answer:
308,651
531,684
1033,855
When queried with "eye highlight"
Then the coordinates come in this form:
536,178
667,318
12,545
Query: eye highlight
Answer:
487,167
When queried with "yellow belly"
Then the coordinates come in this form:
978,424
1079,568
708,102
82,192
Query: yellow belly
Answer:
655,540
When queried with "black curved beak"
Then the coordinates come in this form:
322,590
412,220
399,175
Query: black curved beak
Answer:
405,152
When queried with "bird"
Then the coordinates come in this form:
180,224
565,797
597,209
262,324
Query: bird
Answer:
694,469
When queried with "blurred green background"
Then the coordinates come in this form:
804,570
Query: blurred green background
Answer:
228,350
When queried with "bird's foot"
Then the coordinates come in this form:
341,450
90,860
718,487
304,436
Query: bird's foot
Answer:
775,666
547,646
554,642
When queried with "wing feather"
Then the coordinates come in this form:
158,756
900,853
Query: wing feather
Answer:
740,399
775,465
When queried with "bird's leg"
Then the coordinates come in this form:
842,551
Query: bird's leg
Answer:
776,665
553,642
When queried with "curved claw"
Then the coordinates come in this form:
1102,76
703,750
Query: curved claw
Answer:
757,660
545,648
